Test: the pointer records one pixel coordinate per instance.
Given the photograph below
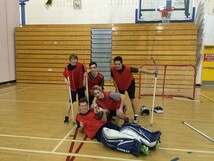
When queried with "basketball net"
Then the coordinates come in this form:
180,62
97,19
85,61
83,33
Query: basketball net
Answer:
166,13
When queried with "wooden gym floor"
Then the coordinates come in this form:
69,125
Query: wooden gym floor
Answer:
32,128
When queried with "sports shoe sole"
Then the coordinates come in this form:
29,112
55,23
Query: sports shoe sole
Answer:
135,121
144,149
157,145
66,120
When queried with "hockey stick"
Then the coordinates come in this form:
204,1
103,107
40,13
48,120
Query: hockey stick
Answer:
87,94
183,122
153,101
86,85
71,108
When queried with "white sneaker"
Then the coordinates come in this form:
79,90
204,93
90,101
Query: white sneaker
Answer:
158,110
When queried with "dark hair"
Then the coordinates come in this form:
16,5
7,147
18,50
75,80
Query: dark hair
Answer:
118,58
73,56
83,99
93,63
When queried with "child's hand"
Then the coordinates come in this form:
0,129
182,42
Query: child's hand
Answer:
68,83
85,74
82,124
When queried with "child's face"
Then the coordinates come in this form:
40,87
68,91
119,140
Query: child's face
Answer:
96,109
83,107
93,69
73,61
118,65
98,94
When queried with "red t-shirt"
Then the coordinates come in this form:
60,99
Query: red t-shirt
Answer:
123,79
97,81
108,102
92,123
75,74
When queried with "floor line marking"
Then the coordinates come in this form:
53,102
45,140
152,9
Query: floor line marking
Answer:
66,154
207,97
30,101
96,142
45,138
8,87
78,148
57,146
14,91
187,150
72,144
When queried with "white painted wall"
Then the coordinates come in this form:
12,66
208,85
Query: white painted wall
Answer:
9,19
208,39
92,12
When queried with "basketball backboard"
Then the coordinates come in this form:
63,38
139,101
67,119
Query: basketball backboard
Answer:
149,10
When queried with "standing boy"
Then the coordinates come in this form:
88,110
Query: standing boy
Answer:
94,78
124,81
75,72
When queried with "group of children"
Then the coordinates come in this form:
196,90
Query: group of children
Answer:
95,119
122,78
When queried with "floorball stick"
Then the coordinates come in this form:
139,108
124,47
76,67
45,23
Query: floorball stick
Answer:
183,122
86,85
153,101
87,94
71,102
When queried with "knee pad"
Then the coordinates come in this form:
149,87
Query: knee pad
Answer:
119,141
110,133
146,136
114,134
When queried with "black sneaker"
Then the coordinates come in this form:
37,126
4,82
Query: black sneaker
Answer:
66,120
144,110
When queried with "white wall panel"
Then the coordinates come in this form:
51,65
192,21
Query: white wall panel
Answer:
91,12
9,19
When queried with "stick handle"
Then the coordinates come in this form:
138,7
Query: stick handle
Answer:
197,131
71,102
153,101
86,84
87,94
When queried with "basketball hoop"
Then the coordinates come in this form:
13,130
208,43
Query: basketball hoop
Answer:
166,13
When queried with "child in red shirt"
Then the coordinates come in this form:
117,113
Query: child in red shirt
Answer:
129,138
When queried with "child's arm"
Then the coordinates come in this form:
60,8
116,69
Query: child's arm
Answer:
80,126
